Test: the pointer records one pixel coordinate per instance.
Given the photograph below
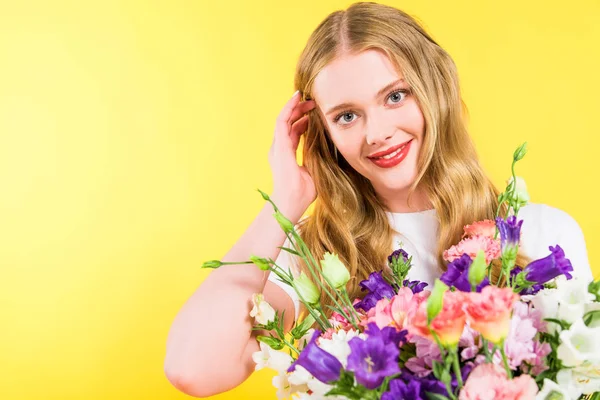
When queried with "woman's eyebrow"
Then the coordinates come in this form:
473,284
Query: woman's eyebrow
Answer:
379,94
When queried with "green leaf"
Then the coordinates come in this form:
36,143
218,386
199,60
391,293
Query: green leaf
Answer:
435,396
272,342
294,252
563,325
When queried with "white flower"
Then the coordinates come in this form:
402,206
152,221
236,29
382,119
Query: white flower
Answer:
578,344
338,344
595,306
551,390
284,387
262,312
584,378
572,296
267,357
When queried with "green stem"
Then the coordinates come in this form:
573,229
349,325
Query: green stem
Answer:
305,252
457,369
505,360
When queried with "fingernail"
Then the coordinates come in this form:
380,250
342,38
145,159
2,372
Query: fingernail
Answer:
296,93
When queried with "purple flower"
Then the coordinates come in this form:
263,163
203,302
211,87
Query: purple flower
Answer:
457,275
322,365
415,286
428,384
529,290
373,359
547,268
510,232
400,390
378,288
401,254
388,334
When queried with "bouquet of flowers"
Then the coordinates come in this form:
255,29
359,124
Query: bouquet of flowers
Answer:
529,333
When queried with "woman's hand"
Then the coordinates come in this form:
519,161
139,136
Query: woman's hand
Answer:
293,187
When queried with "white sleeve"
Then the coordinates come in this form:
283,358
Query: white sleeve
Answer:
546,226
286,260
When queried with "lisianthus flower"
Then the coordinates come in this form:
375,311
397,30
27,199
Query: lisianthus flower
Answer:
472,246
392,312
489,312
487,228
488,381
548,268
334,270
448,324
457,275
322,365
373,359
377,287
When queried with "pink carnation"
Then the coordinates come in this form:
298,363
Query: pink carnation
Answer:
489,312
472,245
488,381
482,228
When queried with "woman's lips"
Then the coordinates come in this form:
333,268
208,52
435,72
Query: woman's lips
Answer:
397,158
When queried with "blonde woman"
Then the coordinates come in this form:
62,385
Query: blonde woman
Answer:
387,159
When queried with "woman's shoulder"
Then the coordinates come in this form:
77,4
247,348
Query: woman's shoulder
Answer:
544,226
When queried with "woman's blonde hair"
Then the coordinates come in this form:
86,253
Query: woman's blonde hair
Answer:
348,218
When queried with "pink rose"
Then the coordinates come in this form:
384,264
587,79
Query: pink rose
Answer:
489,382
472,245
486,228
489,312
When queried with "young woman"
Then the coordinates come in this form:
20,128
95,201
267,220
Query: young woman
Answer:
387,159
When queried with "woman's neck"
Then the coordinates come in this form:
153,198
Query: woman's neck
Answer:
397,202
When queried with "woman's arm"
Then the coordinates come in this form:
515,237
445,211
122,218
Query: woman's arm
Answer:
210,344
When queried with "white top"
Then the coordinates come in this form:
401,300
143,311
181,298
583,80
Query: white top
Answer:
543,226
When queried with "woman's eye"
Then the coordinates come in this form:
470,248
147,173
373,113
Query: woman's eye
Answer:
345,118
398,96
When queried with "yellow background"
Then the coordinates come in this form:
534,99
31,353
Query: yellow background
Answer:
133,136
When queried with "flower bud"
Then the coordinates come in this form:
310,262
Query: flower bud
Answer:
214,264
285,223
300,330
261,263
436,299
306,289
520,152
477,269
335,271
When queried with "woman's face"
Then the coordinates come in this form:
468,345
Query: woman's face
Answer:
372,118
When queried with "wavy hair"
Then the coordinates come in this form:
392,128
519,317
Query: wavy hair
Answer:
348,218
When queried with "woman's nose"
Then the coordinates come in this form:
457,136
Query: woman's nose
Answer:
378,136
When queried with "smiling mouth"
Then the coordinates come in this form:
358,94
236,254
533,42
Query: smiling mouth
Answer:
389,153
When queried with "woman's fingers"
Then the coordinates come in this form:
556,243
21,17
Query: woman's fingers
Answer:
282,122
301,109
298,128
